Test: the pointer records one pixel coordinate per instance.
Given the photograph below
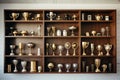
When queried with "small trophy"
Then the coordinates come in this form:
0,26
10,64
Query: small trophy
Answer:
104,66
30,45
99,48
37,17
72,28
14,16
92,49
68,66
53,47
103,31
51,15
74,47
60,48
50,66
26,15
74,17
23,63
39,69
97,64
15,62
67,46
75,66
84,46
60,66
12,47
108,47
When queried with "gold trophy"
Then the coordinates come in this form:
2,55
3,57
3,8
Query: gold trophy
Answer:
93,33
21,46
53,47
98,17
108,47
74,47
37,17
99,48
51,15
72,28
104,66
67,46
30,45
33,66
84,46
53,30
26,15
24,32
97,64
48,31
50,66
14,16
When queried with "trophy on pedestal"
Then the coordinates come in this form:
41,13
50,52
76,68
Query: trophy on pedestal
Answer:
97,64
67,46
51,15
74,47
84,46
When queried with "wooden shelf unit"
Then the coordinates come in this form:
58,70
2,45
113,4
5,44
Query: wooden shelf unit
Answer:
63,23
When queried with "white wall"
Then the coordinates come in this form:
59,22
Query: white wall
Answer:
57,76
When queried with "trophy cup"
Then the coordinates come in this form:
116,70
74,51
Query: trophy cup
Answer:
15,62
53,31
92,49
21,46
60,66
74,17
24,32
99,48
47,48
93,33
26,15
74,47
37,17
53,47
98,17
72,28
84,46
60,48
15,33
48,31
30,45
97,64
39,68
12,47
14,16
108,47
75,66
67,46
23,63
68,66
104,66
51,15
103,31
50,66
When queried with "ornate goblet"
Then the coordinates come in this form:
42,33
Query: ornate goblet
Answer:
68,66
48,31
50,66
15,62
14,16
24,63
103,31
12,47
39,68
30,45
92,49
74,47
60,48
53,47
93,33
99,48
67,46
104,66
74,17
47,48
75,66
53,30
21,46
37,17
97,64
108,47
84,46
26,15
51,15
60,66
72,28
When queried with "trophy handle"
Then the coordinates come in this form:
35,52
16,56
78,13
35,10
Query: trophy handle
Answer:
47,15
10,16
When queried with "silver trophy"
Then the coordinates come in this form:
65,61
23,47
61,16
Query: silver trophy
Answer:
24,63
12,47
108,47
60,66
51,15
75,66
68,66
15,62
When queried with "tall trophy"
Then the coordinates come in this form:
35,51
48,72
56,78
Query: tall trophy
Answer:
97,64
21,46
99,48
104,66
30,45
51,15
50,66
84,46
108,47
60,48
60,66
24,63
15,62
12,47
26,15
53,47
14,16
67,46
74,47
92,49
